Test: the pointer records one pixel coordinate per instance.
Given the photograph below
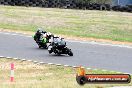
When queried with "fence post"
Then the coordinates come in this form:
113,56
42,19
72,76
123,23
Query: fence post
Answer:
12,72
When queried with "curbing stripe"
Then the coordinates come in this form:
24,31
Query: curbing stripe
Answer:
23,59
1,56
9,57
29,60
50,63
66,65
59,64
35,61
75,66
41,62
15,58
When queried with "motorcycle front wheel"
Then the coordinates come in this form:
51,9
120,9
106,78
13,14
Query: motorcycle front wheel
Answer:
70,53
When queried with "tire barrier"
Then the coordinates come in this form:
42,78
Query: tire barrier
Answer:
122,8
67,4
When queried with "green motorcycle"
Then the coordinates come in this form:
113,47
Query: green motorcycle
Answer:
42,41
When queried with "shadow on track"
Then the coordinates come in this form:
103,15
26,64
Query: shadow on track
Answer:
38,49
62,55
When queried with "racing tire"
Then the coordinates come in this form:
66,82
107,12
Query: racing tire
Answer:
70,53
103,7
40,46
45,47
50,51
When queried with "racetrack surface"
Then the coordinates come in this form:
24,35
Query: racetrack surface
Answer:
85,54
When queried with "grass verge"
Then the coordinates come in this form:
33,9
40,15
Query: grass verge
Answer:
115,26
30,75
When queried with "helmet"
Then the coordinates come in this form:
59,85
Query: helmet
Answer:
55,36
39,30
44,35
48,33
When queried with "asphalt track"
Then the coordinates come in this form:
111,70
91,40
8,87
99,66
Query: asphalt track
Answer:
90,55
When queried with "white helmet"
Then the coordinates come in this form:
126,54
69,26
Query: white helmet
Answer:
44,35
55,36
48,33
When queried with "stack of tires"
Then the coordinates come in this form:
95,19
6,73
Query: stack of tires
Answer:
127,8
5,2
70,4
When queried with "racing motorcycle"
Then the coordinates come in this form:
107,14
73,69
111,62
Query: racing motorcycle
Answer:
58,46
41,39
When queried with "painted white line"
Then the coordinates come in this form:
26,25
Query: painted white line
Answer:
102,44
15,58
58,64
8,57
29,60
66,65
23,59
50,63
41,62
74,66
1,56
88,42
35,61
14,34
8,33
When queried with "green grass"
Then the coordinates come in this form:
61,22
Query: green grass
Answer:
30,75
115,26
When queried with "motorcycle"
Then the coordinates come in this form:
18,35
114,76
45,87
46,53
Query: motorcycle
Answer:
41,41
58,46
